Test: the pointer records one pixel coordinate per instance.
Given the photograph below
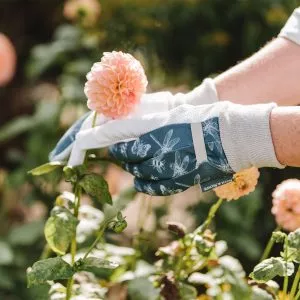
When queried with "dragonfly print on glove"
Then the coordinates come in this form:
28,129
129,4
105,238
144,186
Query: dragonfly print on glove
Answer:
168,143
214,148
170,165
180,167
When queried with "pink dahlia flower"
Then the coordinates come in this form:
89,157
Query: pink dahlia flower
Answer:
244,182
286,204
115,84
87,11
8,60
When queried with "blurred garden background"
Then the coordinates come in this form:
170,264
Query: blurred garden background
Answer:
179,42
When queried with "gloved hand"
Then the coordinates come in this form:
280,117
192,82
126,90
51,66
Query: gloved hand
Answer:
171,151
150,103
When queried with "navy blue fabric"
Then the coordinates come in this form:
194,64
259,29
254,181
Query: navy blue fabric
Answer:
68,138
164,160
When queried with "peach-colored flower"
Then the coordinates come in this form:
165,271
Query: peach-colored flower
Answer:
87,11
286,204
8,60
244,182
115,84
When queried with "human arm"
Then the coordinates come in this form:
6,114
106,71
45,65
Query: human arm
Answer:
285,129
271,74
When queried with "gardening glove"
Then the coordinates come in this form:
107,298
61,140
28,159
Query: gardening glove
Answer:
171,151
150,103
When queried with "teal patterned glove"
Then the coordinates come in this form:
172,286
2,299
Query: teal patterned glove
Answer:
164,162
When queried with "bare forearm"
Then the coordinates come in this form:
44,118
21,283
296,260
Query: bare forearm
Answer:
270,75
285,129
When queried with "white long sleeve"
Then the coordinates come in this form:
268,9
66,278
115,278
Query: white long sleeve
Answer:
291,29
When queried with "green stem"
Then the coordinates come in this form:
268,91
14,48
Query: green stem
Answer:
73,242
211,215
99,236
46,252
269,247
298,295
295,283
199,230
69,288
94,119
77,191
286,278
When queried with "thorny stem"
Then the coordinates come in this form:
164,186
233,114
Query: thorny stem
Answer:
295,284
286,278
73,243
269,247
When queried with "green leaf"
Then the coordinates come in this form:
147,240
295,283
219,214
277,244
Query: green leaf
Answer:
278,236
91,263
96,186
46,168
49,269
293,254
187,292
26,234
271,267
6,253
142,289
294,239
111,211
60,228
119,226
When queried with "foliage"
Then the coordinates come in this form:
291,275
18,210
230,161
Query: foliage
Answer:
179,42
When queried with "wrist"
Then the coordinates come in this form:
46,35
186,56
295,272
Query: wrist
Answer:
246,136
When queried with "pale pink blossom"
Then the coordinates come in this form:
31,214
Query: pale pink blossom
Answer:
8,60
115,84
87,11
286,204
244,182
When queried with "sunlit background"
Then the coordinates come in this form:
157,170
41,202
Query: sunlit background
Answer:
179,42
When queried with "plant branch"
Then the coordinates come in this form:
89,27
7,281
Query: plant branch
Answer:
269,246
99,236
73,242
286,278
295,284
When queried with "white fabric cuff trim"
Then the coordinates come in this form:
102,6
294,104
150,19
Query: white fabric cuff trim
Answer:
291,29
246,136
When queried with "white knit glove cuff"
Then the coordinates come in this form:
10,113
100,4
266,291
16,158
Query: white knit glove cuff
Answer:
206,93
291,30
246,136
